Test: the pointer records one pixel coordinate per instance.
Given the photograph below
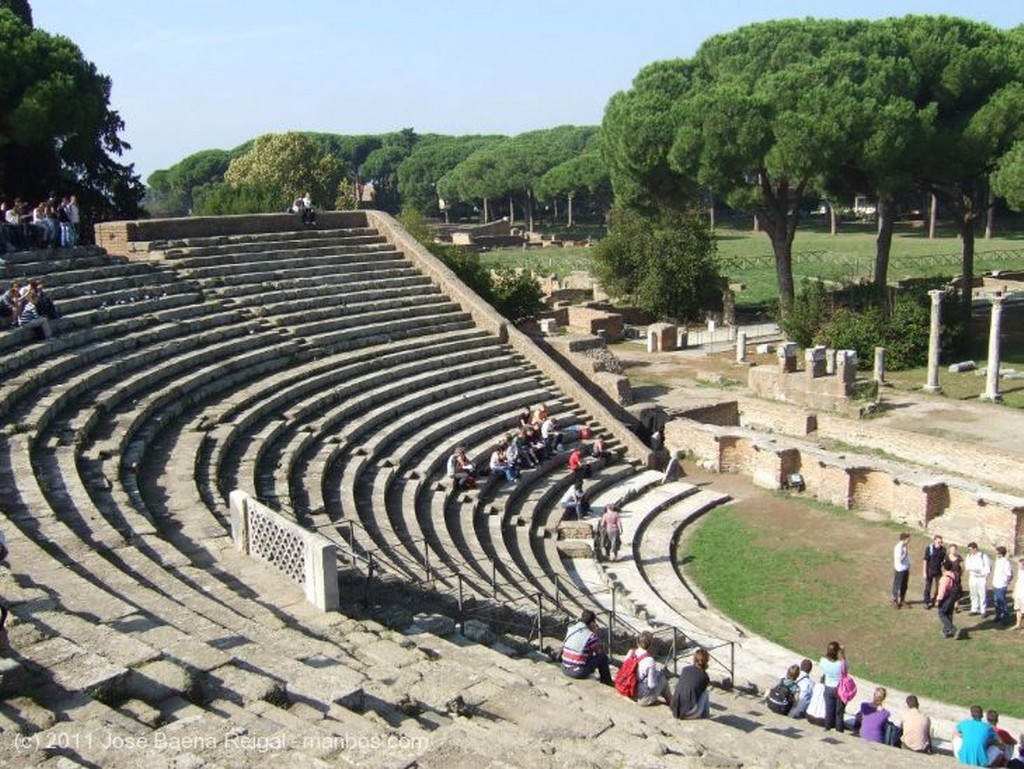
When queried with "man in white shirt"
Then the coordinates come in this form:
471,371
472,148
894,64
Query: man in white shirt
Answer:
1002,576
900,570
978,568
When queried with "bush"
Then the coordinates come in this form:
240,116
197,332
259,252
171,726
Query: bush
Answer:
858,318
809,313
516,294
664,264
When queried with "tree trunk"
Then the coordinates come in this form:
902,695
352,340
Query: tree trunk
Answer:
932,216
833,220
966,223
779,212
883,243
782,247
568,209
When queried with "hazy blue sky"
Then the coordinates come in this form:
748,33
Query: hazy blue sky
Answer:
195,74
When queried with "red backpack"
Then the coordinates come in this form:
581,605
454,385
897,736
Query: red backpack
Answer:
625,678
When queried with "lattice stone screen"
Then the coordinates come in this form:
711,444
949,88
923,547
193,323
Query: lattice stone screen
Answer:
305,557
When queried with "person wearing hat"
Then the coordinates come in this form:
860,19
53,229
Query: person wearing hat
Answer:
581,651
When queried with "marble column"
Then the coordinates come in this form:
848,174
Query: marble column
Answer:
880,365
992,367
933,343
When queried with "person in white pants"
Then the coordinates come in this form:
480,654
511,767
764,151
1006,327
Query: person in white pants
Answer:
978,568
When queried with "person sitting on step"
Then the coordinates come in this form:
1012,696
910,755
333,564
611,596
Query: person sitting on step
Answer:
10,304
599,451
499,463
581,651
691,698
551,436
461,470
872,717
652,685
805,687
575,500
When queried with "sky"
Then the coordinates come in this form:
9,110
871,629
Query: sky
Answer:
190,75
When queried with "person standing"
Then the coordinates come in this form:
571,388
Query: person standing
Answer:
691,698
1018,596
1002,576
946,597
978,567
934,557
832,666
901,570
611,531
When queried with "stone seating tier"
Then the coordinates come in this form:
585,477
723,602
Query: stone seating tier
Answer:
127,588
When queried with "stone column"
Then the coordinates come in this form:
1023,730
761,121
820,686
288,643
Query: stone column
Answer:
992,368
741,347
880,365
933,343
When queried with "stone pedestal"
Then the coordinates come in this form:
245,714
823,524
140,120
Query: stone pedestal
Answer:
814,359
992,368
932,386
741,347
846,371
830,362
787,357
663,337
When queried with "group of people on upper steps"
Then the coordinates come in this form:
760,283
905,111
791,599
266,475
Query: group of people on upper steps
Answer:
53,223
536,438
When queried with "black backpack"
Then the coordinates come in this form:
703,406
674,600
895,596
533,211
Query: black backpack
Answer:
780,698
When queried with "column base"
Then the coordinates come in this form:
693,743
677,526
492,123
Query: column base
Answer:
996,398
932,389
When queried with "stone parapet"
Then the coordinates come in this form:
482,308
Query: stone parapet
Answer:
952,507
143,236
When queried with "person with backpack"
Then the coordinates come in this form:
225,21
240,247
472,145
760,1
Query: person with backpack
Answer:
805,688
782,697
641,677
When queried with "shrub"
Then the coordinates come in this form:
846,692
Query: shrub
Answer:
516,294
809,313
664,264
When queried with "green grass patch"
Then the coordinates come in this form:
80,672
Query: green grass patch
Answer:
811,573
543,261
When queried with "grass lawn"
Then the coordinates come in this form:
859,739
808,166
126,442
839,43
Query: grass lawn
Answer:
801,574
817,254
